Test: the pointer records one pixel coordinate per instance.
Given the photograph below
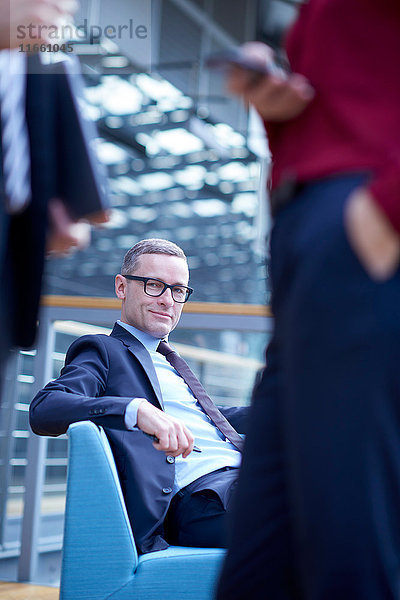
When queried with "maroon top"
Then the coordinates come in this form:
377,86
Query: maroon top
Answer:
350,52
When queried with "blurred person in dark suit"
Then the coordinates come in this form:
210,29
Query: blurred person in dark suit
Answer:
317,513
34,217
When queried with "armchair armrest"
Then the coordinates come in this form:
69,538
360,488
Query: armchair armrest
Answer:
99,550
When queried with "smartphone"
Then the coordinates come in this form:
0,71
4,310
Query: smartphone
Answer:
237,57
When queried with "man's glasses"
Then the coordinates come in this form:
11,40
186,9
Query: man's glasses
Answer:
156,287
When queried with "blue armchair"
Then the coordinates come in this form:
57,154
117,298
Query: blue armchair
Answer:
100,560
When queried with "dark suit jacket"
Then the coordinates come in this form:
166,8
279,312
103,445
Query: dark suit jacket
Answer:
58,155
23,235
101,376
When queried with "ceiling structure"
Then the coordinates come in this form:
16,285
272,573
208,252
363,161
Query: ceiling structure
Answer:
175,146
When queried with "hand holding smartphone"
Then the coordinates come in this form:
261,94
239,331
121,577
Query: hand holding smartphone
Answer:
254,58
253,74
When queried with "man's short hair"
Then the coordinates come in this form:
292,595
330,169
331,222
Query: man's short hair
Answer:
149,246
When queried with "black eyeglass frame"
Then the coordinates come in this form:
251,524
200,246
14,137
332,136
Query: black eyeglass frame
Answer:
145,280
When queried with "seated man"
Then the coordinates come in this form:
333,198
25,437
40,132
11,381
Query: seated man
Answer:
177,454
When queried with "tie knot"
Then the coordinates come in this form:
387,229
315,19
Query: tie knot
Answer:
164,348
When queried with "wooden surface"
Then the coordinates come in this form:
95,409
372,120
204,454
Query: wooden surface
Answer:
23,591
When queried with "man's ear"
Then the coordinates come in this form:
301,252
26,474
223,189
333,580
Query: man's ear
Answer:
120,286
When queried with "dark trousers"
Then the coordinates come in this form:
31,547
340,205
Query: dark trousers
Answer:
197,513
317,512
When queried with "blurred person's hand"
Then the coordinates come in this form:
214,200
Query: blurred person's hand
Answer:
65,234
17,15
277,95
374,240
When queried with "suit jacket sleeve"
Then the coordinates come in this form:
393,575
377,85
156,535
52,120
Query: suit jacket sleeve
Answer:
79,393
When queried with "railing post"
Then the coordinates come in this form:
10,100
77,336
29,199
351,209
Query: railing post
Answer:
7,421
35,470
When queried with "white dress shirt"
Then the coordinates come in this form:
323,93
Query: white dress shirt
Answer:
179,402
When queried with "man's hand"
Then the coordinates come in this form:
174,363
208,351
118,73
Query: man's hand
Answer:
174,438
371,235
278,96
17,15
65,234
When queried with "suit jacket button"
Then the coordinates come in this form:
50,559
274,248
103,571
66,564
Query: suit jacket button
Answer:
166,490
170,459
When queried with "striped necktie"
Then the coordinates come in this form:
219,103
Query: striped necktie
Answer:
200,394
14,132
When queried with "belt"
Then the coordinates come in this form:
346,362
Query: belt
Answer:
200,483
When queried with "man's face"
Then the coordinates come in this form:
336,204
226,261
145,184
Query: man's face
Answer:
154,315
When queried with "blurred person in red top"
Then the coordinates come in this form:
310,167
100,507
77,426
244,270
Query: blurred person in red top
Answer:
317,514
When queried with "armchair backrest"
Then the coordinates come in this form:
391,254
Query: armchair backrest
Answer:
98,540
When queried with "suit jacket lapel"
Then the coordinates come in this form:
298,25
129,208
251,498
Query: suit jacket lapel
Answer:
141,354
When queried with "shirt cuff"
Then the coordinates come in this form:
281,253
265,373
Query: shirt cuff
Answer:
131,413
